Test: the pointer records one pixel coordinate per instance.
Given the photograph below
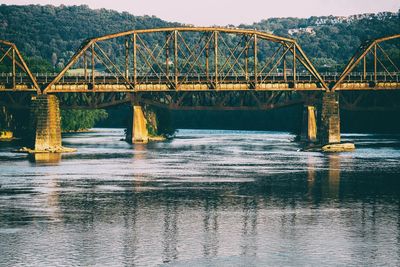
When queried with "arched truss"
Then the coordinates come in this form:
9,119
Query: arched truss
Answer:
187,59
373,67
16,75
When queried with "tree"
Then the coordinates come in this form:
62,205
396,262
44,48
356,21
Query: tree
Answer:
78,120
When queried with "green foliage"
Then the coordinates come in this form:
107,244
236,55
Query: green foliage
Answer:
336,38
55,33
39,65
164,122
159,122
76,120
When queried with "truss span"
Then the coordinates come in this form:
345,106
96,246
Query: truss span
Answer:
187,59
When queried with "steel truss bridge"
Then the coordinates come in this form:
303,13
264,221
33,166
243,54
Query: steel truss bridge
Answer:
204,68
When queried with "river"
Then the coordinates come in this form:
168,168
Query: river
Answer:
205,198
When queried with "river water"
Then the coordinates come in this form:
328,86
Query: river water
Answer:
206,198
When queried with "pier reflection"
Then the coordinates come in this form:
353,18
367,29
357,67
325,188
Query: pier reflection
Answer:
45,158
210,228
324,182
138,166
170,232
333,186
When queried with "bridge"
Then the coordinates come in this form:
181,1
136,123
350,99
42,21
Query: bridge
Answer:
202,69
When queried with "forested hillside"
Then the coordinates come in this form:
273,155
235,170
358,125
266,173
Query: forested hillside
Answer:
53,34
50,35
332,40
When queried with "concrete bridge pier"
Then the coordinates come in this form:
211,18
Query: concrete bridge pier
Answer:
45,124
137,132
329,123
309,126
324,130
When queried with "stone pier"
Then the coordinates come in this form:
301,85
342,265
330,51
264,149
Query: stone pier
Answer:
309,126
327,135
329,125
137,132
45,124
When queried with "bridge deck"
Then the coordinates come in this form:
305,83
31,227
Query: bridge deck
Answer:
106,83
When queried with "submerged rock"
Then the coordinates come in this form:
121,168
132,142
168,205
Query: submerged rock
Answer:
342,147
60,149
339,147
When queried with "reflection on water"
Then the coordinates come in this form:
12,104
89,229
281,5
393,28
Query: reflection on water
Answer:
206,198
50,158
334,175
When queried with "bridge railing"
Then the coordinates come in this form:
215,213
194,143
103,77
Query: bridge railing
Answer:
44,78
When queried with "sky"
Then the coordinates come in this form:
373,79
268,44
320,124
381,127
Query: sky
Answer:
224,12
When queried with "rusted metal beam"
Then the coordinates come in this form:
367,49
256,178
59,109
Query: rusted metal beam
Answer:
375,64
134,60
207,61
14,73
85,66
176,67
284,69
365,69
127,59
246,60
93,66
5,54
216,59
255,61
294,64
263,35
167,55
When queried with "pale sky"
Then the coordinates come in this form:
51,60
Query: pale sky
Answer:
224,12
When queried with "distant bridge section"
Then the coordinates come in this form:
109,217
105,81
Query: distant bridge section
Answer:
16,75
372,67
